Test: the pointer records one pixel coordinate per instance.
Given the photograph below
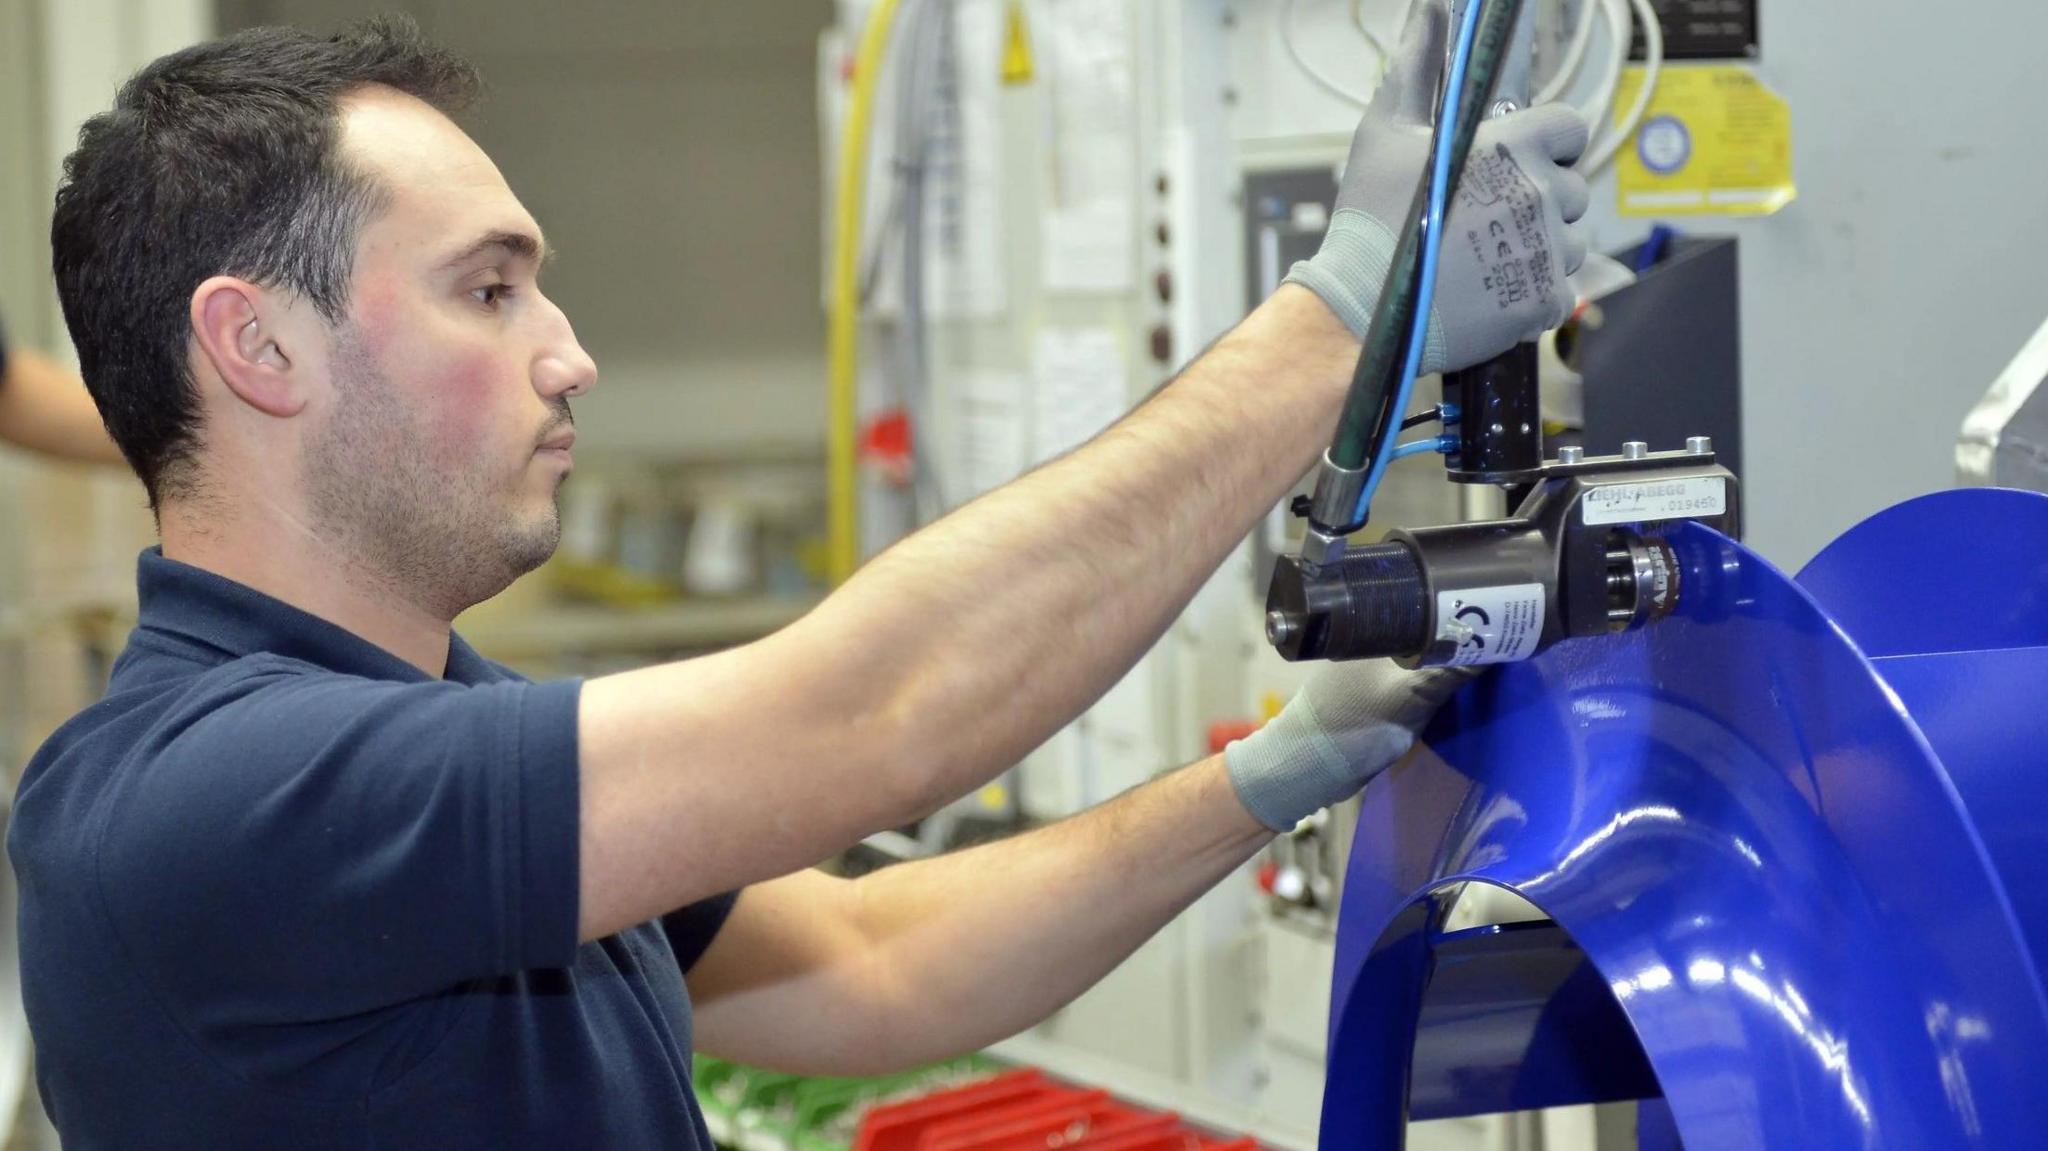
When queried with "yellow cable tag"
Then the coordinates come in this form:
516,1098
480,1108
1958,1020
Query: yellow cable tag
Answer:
1017,67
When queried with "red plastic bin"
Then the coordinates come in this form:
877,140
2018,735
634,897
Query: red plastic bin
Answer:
1048,1128
898,1126
1061,1105
1023,1111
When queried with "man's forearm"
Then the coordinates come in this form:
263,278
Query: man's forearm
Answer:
46,409
973,947
1006,619
951,656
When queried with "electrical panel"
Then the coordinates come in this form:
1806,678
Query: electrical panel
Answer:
1286,213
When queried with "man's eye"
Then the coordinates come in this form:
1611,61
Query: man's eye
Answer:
491,295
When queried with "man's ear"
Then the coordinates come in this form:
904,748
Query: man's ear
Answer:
241,330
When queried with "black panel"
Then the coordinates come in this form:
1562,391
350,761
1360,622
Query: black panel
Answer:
1665,364
1705,29
1516,1019
1285,215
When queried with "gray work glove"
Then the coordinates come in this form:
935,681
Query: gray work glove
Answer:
1507,244
1351,722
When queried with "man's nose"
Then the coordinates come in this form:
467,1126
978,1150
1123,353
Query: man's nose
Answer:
564,368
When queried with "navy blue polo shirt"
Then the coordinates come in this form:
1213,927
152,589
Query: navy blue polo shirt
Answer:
281,889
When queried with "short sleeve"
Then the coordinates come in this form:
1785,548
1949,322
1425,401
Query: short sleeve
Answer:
340,844
691,930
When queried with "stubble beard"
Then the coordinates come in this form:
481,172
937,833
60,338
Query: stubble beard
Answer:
441,537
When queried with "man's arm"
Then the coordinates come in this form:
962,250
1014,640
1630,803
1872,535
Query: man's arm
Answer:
45,408
817,975
949,657
936,958
953,654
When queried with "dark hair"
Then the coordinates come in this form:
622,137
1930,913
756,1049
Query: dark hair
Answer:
220,159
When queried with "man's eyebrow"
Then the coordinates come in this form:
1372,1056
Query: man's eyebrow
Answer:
522,245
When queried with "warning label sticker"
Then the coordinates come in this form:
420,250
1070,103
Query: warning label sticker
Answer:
1714,140
1658,500
1491,624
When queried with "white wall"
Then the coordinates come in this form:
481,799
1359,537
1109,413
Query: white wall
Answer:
1879,307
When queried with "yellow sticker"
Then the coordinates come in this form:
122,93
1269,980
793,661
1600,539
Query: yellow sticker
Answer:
1715,141
995,797
1017,67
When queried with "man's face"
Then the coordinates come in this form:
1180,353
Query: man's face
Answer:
440,460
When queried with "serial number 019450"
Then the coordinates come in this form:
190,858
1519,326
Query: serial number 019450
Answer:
1694,498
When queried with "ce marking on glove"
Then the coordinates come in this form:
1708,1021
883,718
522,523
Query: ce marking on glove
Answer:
1503,248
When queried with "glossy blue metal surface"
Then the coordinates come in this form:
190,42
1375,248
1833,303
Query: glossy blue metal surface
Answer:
1955,571
1995,753
1793,869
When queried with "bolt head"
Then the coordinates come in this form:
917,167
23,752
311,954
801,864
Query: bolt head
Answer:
1280,627
1700,446
1320,550
1635,450
1571,455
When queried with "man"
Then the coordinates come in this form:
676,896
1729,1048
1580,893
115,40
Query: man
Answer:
45,409
316,875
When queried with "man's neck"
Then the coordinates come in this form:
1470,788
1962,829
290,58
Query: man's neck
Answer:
287,561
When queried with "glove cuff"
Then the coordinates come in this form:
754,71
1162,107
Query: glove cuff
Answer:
1291,768
1348,271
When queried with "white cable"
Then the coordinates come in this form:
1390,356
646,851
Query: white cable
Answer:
1379,46
1308,69
1364,29
1574,56
1601,107
1653,68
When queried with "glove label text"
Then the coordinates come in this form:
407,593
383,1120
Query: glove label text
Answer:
1514,252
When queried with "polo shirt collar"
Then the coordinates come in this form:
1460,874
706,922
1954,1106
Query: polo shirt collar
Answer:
212,611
